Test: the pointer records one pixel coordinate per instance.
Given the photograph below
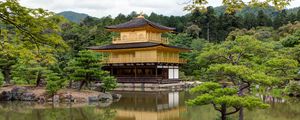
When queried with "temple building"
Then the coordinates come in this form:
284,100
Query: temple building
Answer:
140,54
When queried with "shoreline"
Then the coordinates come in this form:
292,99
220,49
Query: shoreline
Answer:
40,95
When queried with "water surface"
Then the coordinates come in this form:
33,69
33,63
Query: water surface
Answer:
143,106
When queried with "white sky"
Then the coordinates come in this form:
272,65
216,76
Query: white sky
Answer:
100,8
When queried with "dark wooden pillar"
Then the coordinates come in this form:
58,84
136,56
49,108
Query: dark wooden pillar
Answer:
135,72
111,70
156,72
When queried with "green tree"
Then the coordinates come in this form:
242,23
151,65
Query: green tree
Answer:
35,30
292,17
233,5
249,21
298,15
263,19
242,62
8,53
223,99
54,83
87,68
292,40
280,19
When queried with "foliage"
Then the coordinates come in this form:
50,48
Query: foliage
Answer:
54,83
87,67
241,62
109,82
1,79
223,99
73,16
33,37
292,40
293,88
233,5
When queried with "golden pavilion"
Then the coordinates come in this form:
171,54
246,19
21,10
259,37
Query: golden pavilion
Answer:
140,54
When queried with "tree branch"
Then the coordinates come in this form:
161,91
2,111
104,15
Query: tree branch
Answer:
236,110
215,106
22,30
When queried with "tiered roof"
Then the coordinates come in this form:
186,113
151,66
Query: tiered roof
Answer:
139,22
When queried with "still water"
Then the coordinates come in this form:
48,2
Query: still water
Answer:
143,106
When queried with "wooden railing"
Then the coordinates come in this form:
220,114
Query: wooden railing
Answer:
136,39
146,80
144,60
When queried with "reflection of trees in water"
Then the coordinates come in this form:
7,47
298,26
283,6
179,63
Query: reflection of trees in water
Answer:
20,111
280,109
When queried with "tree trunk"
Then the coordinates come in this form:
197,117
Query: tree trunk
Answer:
81,84
241,93
70,84
241,114
6,75
208,31
223,112
38,79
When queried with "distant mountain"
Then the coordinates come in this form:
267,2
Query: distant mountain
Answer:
73,16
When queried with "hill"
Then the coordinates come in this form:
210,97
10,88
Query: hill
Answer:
73,16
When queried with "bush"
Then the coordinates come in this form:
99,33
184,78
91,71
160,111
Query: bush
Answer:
54,83
1,79
293,88
109,83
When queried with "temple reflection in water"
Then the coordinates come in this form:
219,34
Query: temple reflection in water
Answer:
149,106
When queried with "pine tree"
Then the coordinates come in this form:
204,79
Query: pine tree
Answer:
292,17
249,21
263,19
87,67
298,15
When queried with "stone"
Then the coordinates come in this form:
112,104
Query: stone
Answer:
105,97
28,97
55,99
116,96
67,97
93,99
5,96
17,92
105,103
41,99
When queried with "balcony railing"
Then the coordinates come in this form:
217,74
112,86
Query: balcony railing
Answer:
144,60
143,39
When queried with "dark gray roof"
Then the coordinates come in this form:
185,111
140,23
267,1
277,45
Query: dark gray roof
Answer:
138,22
132,45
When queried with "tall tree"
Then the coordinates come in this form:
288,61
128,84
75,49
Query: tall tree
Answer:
234,5
298,15
263,19
249,21
280,19
35,29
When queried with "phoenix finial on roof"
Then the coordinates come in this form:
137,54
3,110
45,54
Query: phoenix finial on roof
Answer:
141,15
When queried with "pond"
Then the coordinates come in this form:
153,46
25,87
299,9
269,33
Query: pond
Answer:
143,106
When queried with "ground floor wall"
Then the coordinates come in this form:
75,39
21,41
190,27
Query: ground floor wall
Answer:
145,73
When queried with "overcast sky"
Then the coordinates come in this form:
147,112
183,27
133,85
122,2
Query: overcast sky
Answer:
100,8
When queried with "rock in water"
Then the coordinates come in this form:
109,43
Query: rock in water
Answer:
116,96
93,99
5,96
105,103
105,97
